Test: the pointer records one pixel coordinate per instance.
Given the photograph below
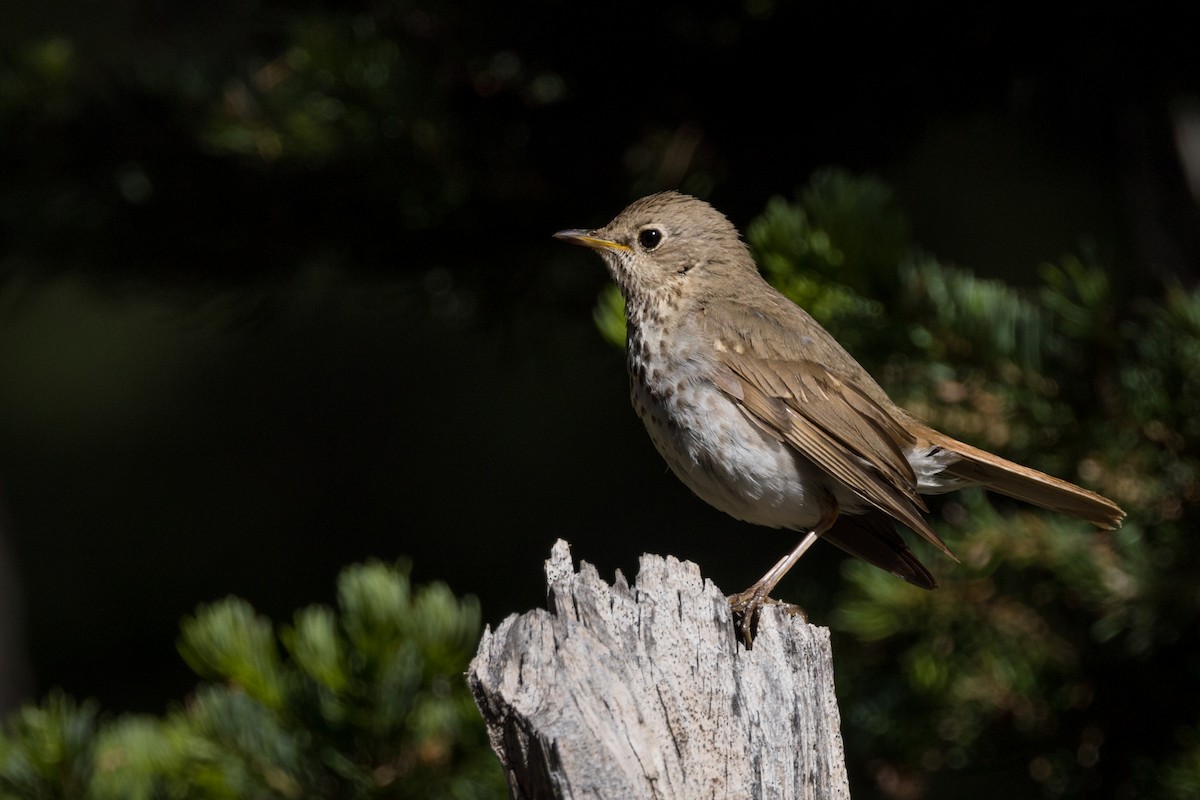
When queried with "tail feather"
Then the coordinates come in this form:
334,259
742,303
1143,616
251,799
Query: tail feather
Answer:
997,474
872,536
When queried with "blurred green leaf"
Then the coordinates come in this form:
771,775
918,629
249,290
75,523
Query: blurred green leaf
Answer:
371,703
228,641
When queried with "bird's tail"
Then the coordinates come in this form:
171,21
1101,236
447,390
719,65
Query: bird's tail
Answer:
979,467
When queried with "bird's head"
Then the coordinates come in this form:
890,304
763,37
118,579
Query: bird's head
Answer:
667,242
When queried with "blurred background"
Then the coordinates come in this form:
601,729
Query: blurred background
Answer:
278,294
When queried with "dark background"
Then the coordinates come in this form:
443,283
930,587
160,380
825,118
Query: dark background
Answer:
265,314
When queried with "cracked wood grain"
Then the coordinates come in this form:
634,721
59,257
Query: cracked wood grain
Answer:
642,691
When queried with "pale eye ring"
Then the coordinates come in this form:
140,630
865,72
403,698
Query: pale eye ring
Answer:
650,238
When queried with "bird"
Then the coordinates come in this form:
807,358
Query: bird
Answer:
764,415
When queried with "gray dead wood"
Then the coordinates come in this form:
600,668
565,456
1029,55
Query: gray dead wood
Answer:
643,692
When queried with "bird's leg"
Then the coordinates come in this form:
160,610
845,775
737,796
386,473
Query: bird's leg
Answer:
746,605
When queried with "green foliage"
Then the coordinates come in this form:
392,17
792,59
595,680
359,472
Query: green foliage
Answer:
346,86
1181,773
367,700
610,315
957,313
843,228
48,751
226,641
805,262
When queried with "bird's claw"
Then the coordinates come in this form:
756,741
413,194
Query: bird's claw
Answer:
745,607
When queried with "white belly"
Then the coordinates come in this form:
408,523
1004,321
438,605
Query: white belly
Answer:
725,458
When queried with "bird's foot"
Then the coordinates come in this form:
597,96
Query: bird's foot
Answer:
746,607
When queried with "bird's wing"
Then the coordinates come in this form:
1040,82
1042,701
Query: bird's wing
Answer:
829,420
873,538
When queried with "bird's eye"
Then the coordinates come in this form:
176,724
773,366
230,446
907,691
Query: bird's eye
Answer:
650,238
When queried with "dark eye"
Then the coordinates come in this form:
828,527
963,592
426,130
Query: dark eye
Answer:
649,238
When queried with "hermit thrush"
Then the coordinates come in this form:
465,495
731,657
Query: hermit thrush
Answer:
765,416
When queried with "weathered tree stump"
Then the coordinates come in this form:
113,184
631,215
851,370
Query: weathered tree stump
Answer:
643,692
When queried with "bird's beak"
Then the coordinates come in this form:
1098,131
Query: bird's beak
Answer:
588,239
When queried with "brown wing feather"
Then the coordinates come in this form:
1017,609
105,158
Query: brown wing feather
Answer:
841,430
836,417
